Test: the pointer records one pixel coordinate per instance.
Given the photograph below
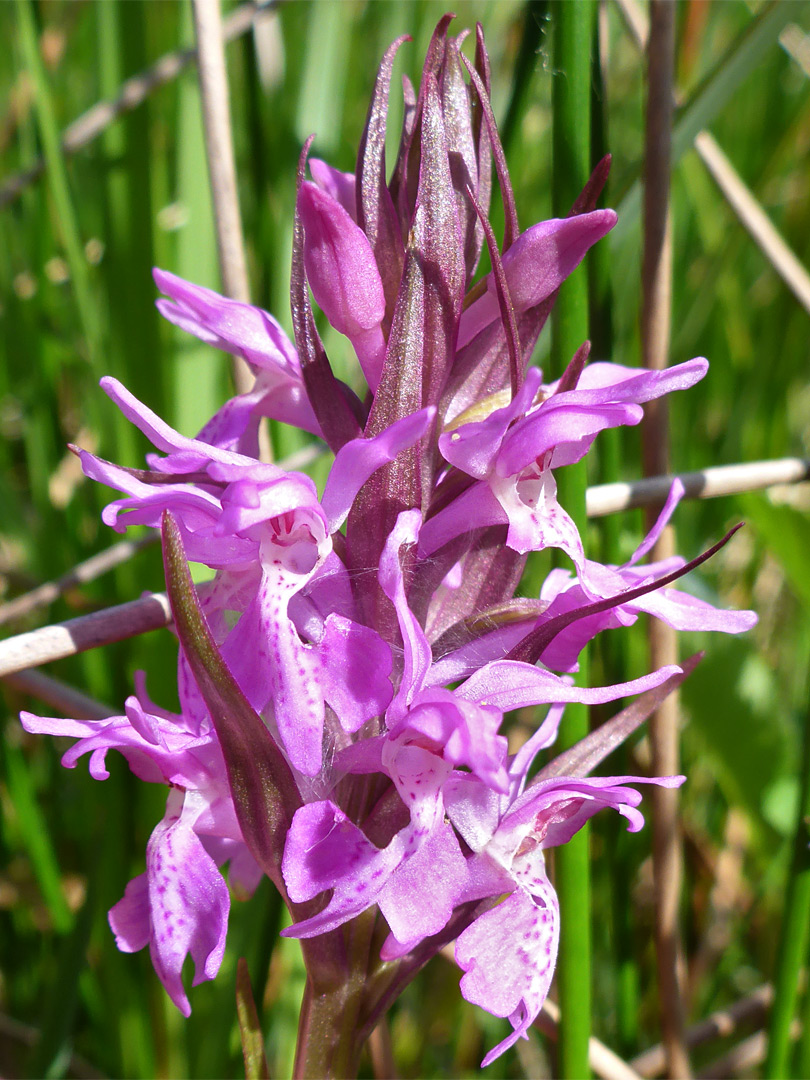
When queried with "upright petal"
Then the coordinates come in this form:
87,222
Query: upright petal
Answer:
343,276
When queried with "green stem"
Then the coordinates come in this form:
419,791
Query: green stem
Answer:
795,924
328,1028
572,25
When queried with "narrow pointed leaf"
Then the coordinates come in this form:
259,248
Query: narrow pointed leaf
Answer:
480,133
376,214
263,789
405,140
462,148
511,228
532,647
409,162
570,377
586,201
256,1067
504,302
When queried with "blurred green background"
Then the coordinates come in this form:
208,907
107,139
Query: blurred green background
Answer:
76,302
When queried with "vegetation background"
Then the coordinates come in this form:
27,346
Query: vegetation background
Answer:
76,302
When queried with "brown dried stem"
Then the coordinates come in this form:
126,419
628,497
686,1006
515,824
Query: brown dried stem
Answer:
754,219
59,695
84,572
55,642
739,197
655,332
603,499
221,165
752,1009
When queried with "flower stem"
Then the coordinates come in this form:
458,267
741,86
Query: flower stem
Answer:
572,26
328,1028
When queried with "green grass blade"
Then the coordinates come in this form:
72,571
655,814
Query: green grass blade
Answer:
572,28
57,177
36,836
794,937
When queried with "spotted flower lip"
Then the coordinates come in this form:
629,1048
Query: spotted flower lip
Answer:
347,674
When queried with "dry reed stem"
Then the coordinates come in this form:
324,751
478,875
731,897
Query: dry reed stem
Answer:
133,93
213,78
663,647
59,695
81,574
55,642
719,1025
733,188
754,219
603,499
151,611
743,1058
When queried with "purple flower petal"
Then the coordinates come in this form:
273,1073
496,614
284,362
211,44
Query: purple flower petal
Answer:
511,684
536,265
357,460
356,668
188,901
508,956
417,654
340,185
343,276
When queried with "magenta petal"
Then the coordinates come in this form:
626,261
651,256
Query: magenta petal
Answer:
188,899
536,519
129,918
358,459
295,678
475,508
685,612
438,870
552,811
342,272
158,431
676,493
473,447
417,656
602,382
356,669
340,185
463,733
325,850
508,956
511,684
536,264
239,328
550,425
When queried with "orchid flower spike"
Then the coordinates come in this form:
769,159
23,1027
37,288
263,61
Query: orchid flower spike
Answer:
345,676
